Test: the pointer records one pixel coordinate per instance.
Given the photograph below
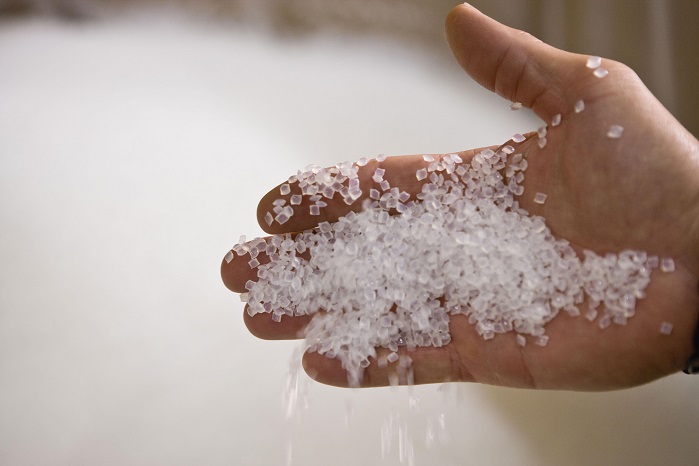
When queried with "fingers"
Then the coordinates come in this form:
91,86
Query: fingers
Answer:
467,358
426,365
236,273
265,327
240,270
399,172
513,64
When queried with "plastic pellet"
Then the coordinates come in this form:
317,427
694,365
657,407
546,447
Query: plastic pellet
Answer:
600,72
615,131
593,62
667,264
665,328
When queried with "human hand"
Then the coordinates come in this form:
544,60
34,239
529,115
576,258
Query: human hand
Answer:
606,195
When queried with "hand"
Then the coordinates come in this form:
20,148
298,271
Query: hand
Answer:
637,192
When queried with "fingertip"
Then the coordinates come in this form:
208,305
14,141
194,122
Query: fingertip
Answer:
325,370
264,209
229,275
263,326
456,13
235,271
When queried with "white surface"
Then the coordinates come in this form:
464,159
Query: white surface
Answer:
133,154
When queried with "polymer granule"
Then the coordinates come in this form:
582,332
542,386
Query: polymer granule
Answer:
391,275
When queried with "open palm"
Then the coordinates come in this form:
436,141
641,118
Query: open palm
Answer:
640,191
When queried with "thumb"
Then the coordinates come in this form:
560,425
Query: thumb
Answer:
514,64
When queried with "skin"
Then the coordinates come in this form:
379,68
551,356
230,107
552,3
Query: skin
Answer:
637,192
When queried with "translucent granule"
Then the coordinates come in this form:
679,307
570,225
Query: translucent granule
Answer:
667,264
381,157
362,161
615,131
285,189
228,257
268,218
393,357
378,175
542,142
600,72
518,138
541,132
591,314
665,328
516,105
382,282
540,198
295,199
428,158
556,120
521,340
579,106
593,62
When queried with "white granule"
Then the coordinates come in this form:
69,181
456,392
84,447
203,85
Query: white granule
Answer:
556,120
463,246
593,62
579,106
516,105
600,72
615,131
665,328
667,264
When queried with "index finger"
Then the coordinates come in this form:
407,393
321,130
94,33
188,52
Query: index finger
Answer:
315,195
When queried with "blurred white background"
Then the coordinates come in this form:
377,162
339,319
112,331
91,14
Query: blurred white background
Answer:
134,146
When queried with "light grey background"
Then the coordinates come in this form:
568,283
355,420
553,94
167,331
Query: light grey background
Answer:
133,150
